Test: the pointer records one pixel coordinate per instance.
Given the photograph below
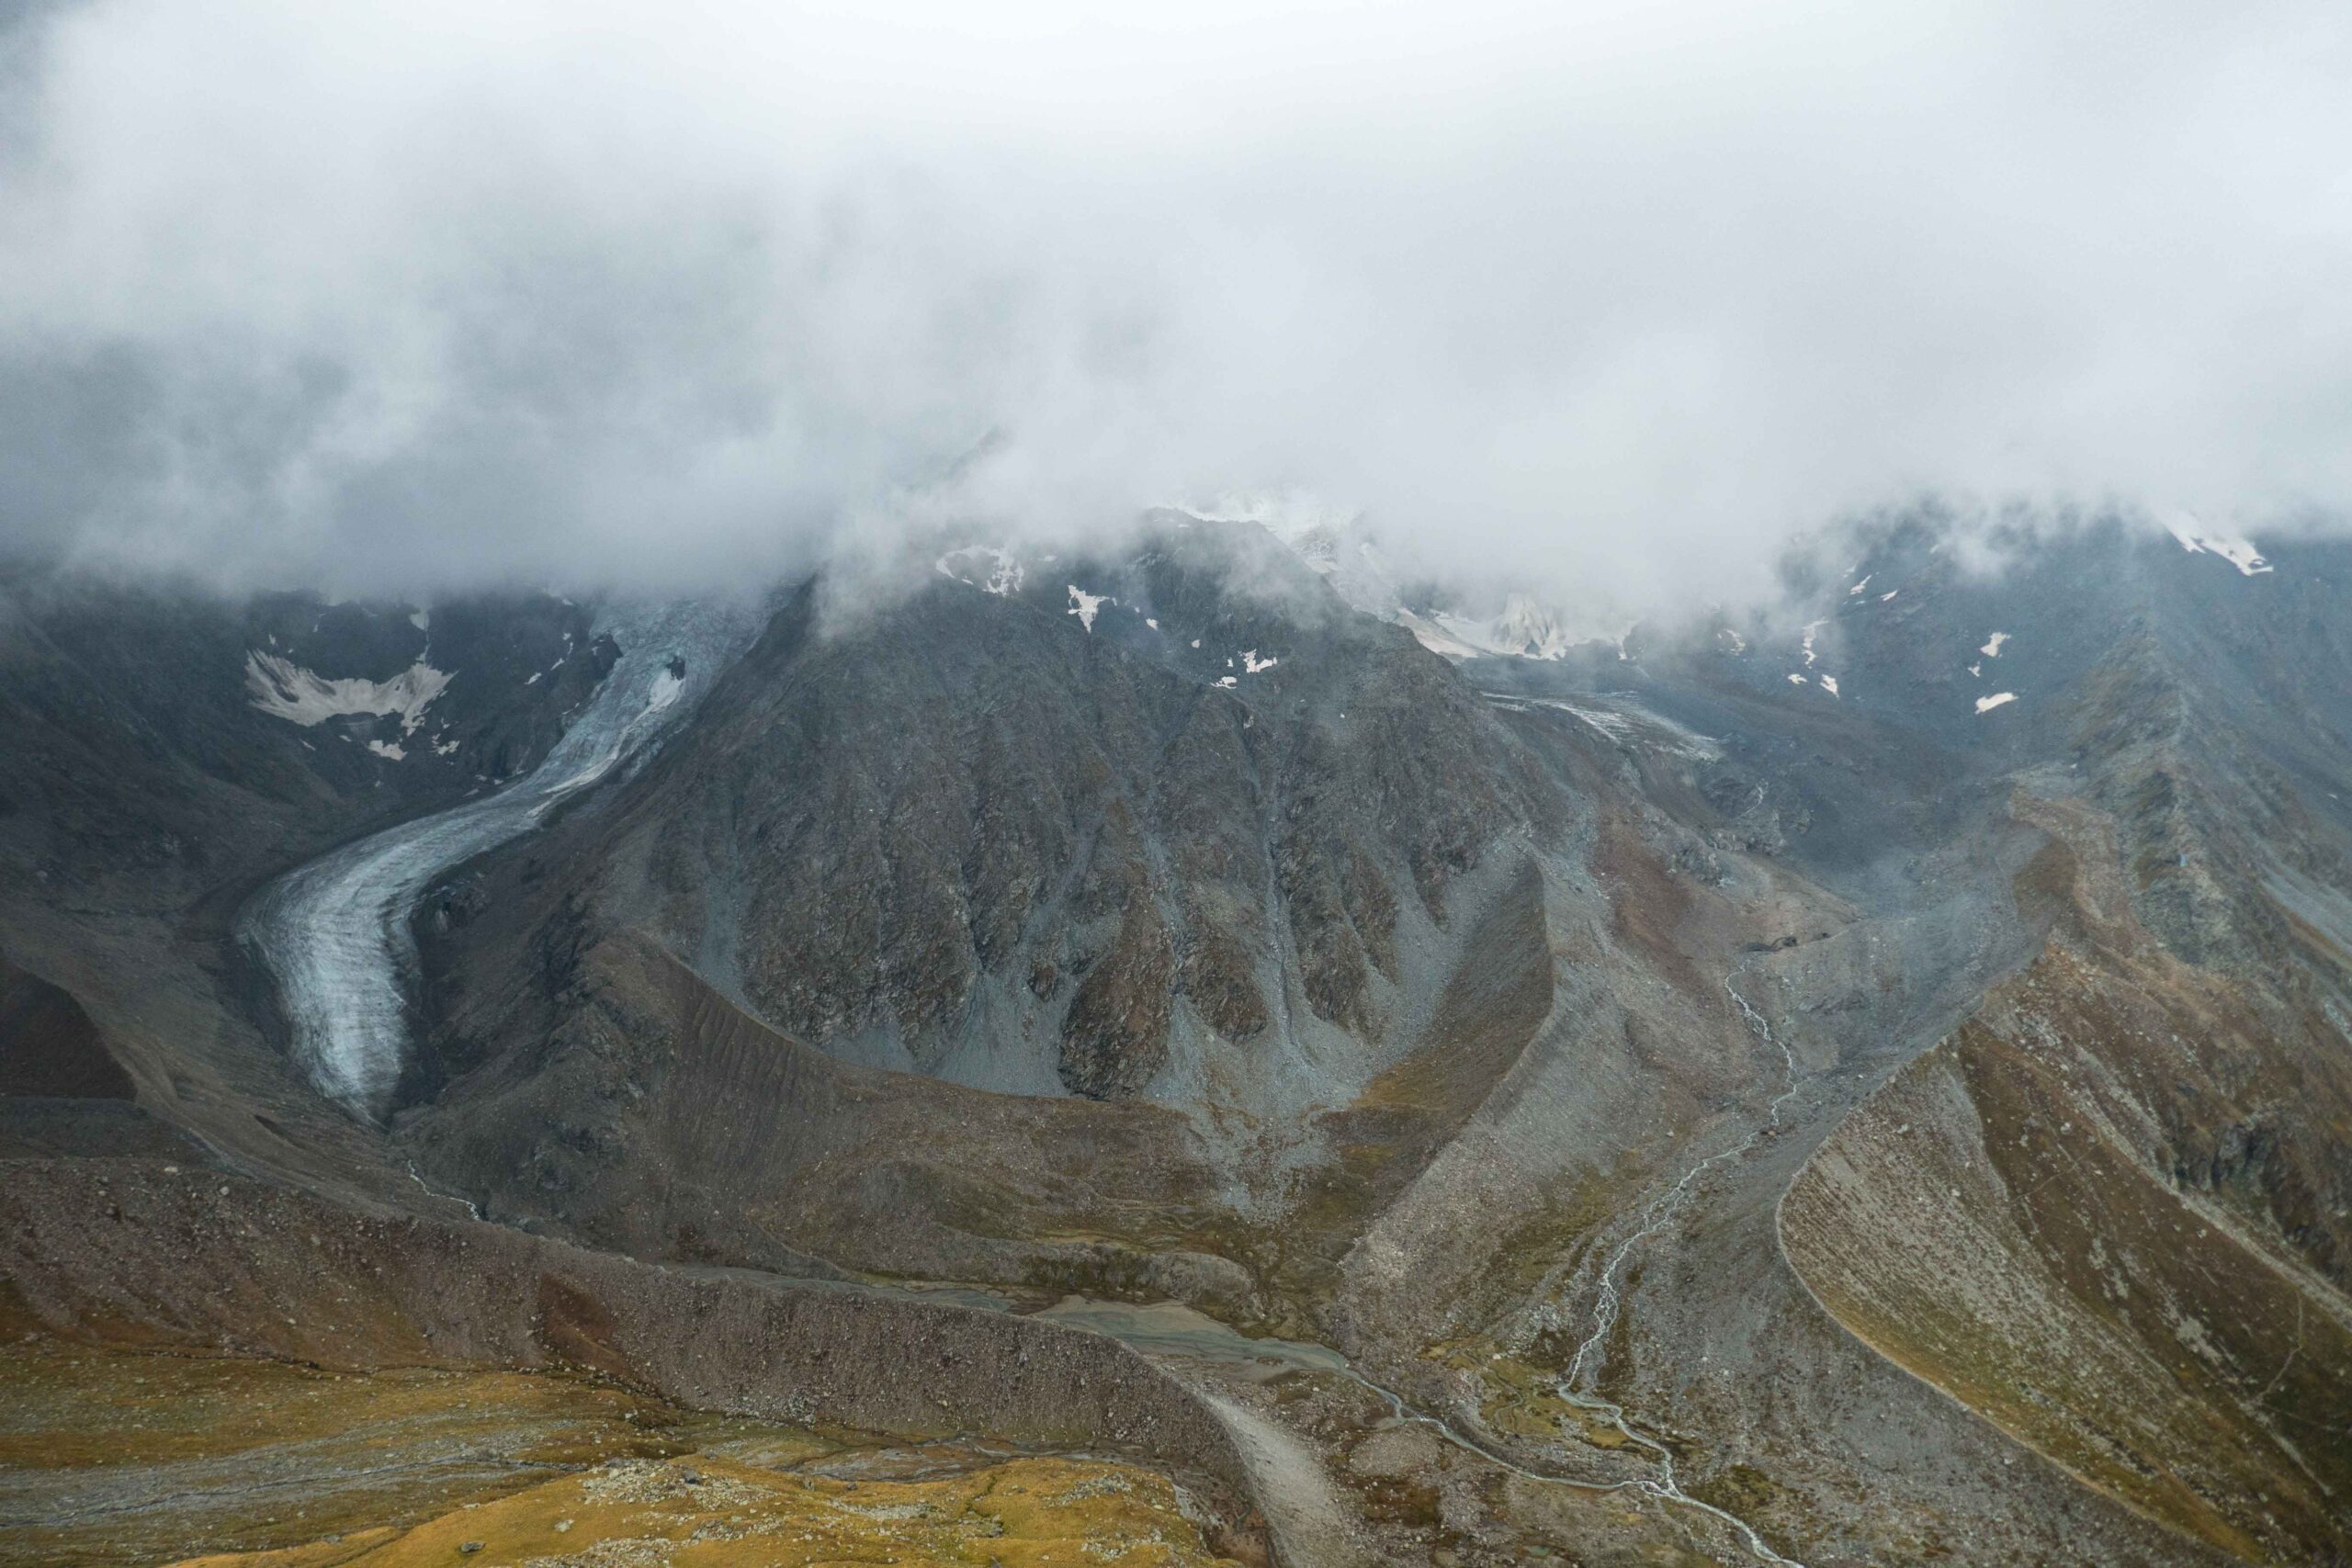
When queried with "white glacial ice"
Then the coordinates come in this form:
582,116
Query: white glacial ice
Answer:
336,931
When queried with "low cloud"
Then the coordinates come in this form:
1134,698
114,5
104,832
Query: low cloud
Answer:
1613,297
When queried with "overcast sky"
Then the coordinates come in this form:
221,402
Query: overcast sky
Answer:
403,296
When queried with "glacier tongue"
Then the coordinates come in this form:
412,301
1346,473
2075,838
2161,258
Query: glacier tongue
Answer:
336,931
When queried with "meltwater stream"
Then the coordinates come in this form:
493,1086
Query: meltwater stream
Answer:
336,931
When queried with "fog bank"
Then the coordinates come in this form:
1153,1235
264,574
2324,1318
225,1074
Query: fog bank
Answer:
402,298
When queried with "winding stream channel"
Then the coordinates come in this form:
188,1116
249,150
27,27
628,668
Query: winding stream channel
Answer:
1172,1332
335,932
1169,1332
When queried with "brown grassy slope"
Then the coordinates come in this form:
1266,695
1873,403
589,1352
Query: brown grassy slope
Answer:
713,1513
2012,1218
125,1252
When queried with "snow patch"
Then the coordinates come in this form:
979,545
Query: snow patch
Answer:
1251,664
1992,648
1810,628
422,620
1796,679
1829,684
285,690
1629,724
2200,537
1850,593
1524,630
389,750
1986,704
1888,594
1228,682
1085,605
983,567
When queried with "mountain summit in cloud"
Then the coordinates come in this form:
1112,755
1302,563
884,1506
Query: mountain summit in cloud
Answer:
406,299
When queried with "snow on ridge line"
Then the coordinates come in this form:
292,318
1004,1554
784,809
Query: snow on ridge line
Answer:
1319,534
285,690
2200,538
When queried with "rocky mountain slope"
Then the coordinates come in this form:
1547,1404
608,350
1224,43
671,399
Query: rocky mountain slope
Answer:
1867,1081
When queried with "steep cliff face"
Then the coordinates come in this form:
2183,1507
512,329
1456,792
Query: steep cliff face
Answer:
979,836
1181,818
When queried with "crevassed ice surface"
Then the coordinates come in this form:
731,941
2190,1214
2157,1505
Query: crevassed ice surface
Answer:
336,931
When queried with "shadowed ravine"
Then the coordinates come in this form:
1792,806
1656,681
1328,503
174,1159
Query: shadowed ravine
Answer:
335,932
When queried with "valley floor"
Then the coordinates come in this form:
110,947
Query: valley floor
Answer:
121,1457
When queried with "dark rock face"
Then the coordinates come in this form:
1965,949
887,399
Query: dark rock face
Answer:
136,752
970,821
49,1047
